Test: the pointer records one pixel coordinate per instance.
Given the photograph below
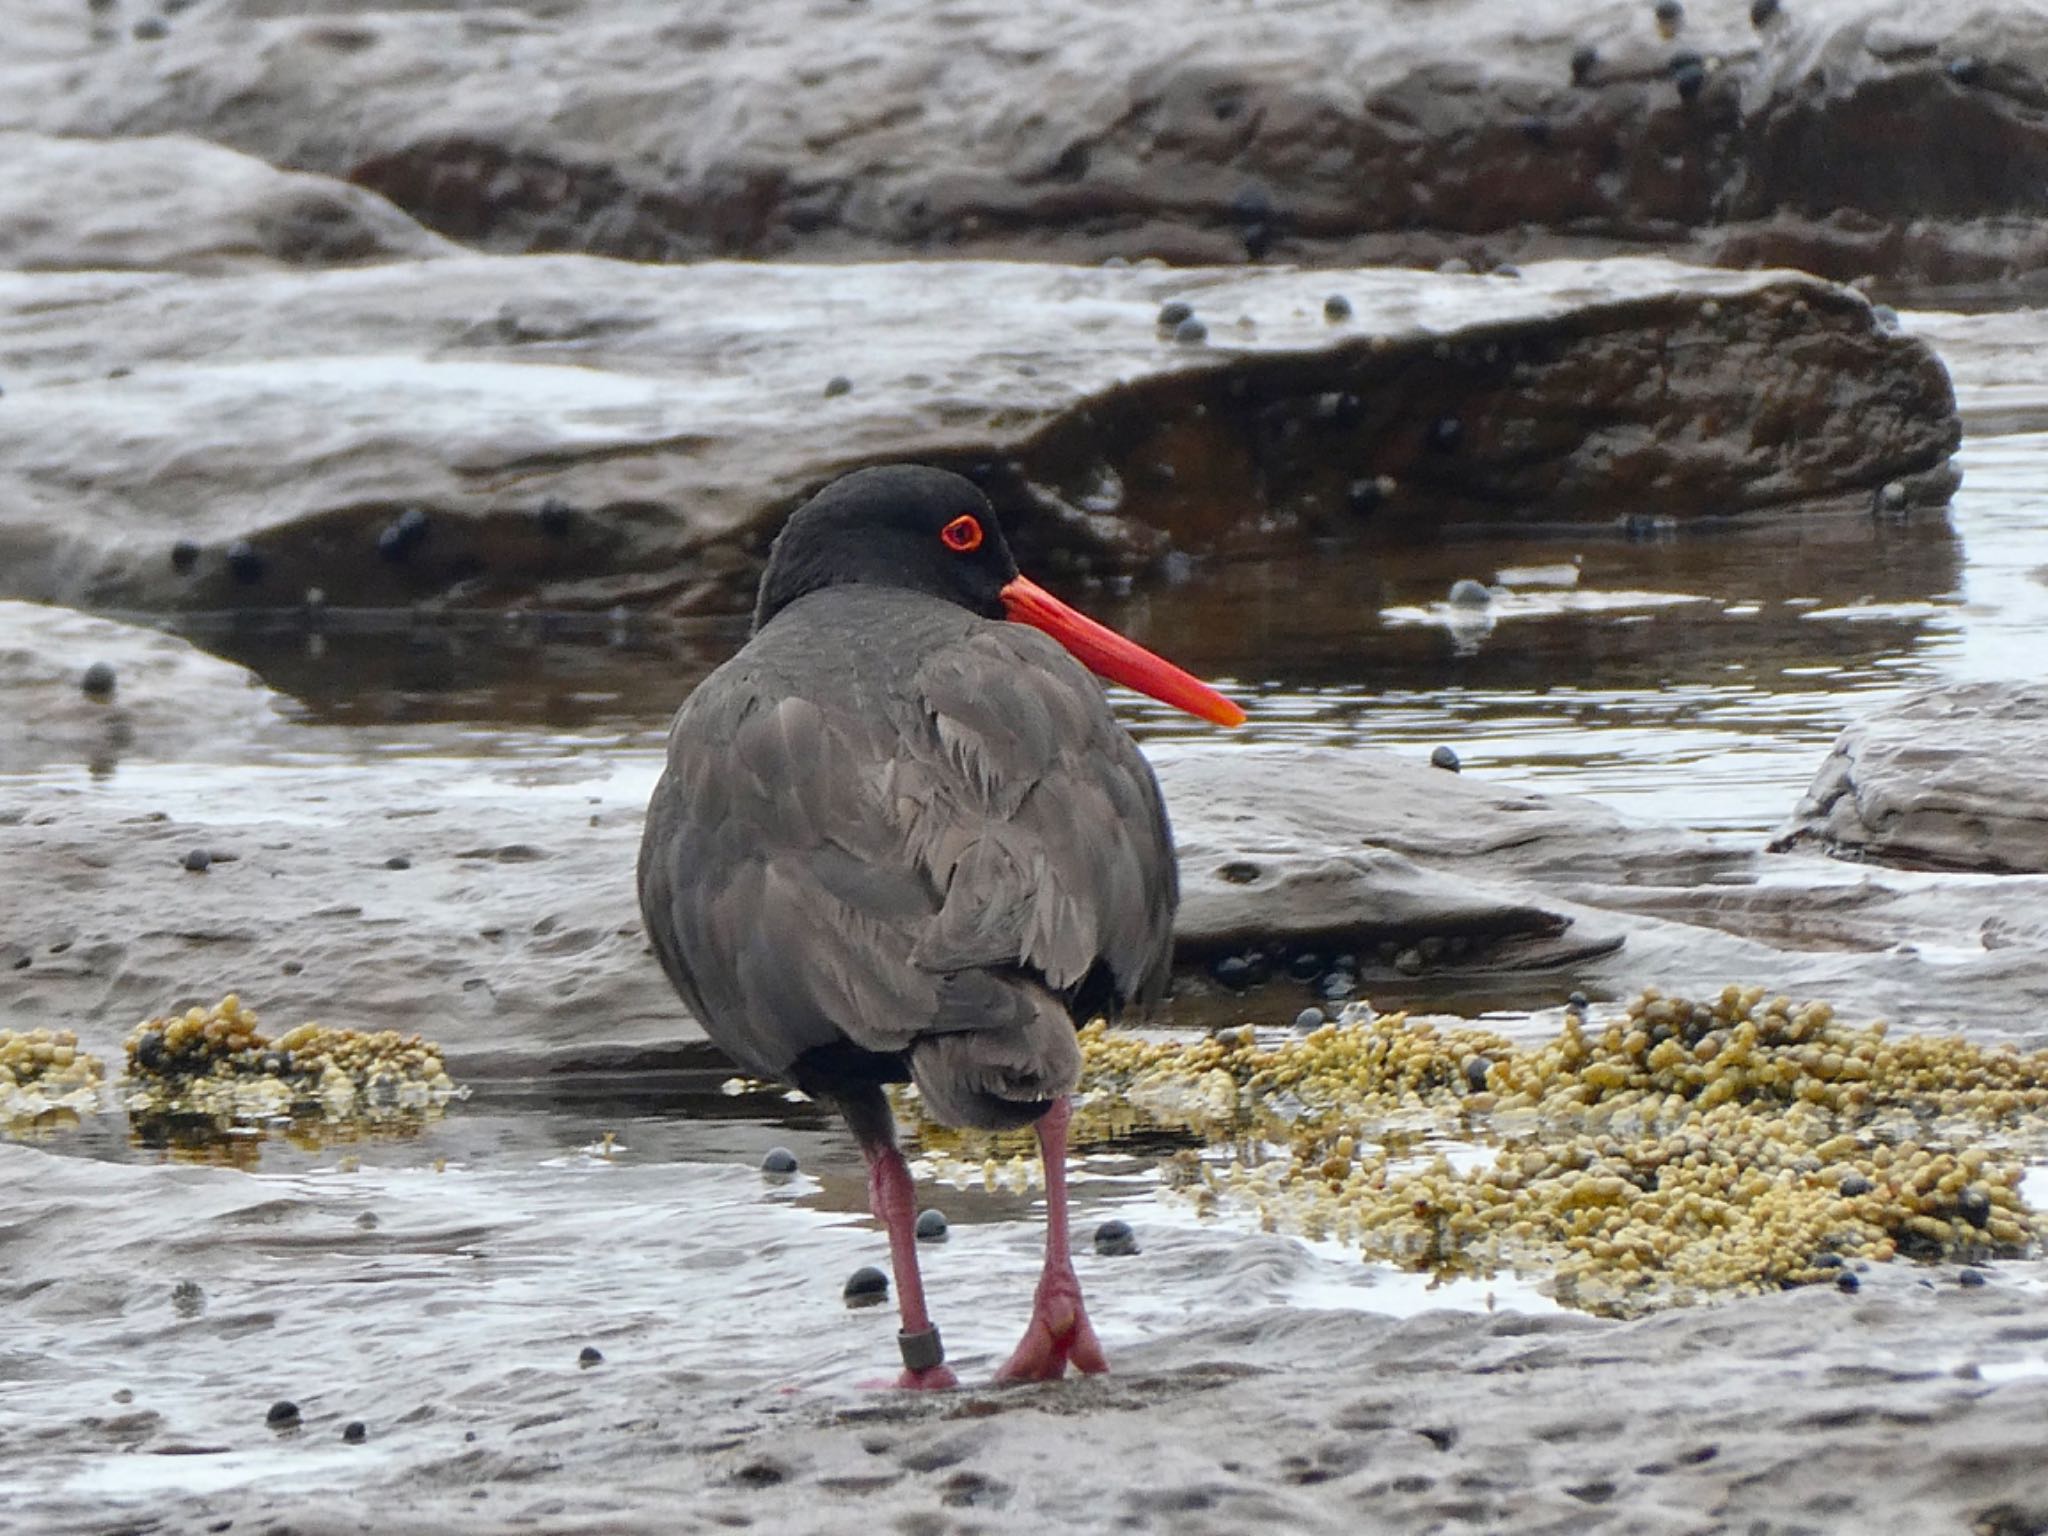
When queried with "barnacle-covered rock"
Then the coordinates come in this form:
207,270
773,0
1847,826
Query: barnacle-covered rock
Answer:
43,1070
216,1061
1672,1151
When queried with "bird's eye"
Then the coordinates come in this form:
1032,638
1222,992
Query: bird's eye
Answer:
962,534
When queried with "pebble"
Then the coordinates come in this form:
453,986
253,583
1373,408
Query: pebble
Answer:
1191,332
1855,1184
778,1160
838,384
1310,1018
1970,1277
555,518
398,861
590,1355
98,681
1974,1206
1891,497
1847,1281
866,1287
284,1414
1232,971
1585,60
1305,965
184,555
1365,496
197,861
245,562
931,1226
1115,1240
1476,1069
1336,307
1338,985
403,535
1409,962
354,1432
1691,79
1445,758
1173,312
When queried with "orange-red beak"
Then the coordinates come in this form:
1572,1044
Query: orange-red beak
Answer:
1108,654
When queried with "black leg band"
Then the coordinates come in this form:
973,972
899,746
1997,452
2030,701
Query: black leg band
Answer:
921,1351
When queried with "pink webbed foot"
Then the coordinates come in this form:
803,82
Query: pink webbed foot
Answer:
1059,1334
937,1378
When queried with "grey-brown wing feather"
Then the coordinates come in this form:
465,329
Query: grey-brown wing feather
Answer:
825,859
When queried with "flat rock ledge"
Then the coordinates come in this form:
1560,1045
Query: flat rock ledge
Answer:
1371,131
1954,777
582,432
489,904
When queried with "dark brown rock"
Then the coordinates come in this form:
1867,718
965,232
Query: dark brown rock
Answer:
307,413
1384,131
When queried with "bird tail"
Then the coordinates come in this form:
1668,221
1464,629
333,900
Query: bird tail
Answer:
1003,1050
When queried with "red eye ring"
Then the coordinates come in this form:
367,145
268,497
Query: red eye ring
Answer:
962,535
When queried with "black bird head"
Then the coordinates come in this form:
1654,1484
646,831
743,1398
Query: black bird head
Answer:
924,530
897,525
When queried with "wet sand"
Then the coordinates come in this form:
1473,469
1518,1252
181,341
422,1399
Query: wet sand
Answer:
1256,1382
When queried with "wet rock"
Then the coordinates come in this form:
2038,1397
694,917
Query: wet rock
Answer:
564,137
1954,777
196,861
839,384
866,1287
354,1432
1310,1018
1115,1239
1191,332
590,1355
1336,307
173,203
931,1226
1445,758
425,405
779,1160
1173,313
1855,1184
283,1414
1340,842
98,681
184,556
1970,1278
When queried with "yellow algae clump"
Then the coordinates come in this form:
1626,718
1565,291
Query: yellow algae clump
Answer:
42,1070
1676,1150
217,1061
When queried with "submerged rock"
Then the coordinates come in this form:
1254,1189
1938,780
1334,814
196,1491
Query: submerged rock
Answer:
473,395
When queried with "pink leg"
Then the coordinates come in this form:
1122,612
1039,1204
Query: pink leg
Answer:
1059,1331
893,1198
